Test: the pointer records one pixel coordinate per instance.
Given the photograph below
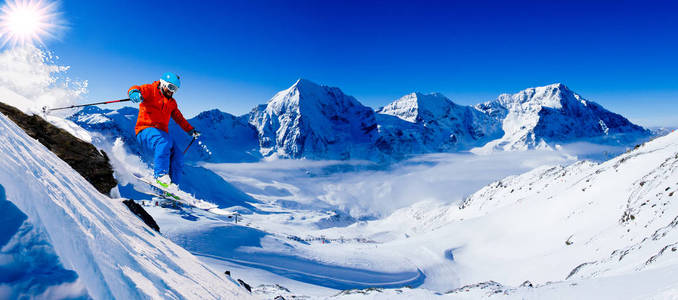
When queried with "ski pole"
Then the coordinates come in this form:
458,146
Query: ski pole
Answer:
46,110
189,145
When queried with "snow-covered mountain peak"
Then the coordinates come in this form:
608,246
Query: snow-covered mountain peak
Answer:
305,83
433,123
545,96
417,107
309,96
535,117
213,115
310,120
301,86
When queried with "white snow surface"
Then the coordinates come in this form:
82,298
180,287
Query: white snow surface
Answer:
589,230
112,252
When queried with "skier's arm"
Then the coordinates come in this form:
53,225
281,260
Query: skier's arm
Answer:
136,89
179,118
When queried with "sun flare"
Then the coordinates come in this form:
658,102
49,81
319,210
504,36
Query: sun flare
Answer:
25,22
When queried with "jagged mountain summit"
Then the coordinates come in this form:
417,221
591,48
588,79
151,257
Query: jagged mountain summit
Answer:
313,121
538,117
433,123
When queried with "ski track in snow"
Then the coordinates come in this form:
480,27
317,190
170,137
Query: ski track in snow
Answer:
337,279
243,245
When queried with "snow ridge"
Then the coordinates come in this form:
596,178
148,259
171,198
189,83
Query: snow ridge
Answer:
609,219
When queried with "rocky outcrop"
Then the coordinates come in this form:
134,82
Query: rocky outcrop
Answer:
140,212
83,157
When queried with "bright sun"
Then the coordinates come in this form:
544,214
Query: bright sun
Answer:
28,22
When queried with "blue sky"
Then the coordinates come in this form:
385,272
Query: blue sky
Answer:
233,55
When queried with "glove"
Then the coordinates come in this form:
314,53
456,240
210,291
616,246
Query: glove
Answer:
194,133
135,96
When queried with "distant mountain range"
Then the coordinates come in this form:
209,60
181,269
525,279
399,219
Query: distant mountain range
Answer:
312,121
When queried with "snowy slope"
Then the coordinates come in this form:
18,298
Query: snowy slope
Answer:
112,254
313,121
613,223
22,274
437,125
538,117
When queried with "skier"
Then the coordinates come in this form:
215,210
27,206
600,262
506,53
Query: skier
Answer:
156,106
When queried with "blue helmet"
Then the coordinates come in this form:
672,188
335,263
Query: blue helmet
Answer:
172,78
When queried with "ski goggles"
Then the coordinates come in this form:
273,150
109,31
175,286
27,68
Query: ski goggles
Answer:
171,87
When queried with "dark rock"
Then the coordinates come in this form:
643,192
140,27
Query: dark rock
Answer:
83,157
577,269
493,287
228,273
245,285
361,291
142,214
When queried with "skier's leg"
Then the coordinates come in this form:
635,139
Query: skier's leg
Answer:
159,142
163,148
176,163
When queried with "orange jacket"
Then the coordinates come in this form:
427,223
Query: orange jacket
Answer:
155,110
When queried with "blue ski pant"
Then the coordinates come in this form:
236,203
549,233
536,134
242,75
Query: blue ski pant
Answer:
167,158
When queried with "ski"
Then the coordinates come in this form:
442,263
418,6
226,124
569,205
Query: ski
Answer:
159,197
164,193
180,197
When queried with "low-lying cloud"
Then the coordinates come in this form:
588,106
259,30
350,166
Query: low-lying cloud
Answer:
365,190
